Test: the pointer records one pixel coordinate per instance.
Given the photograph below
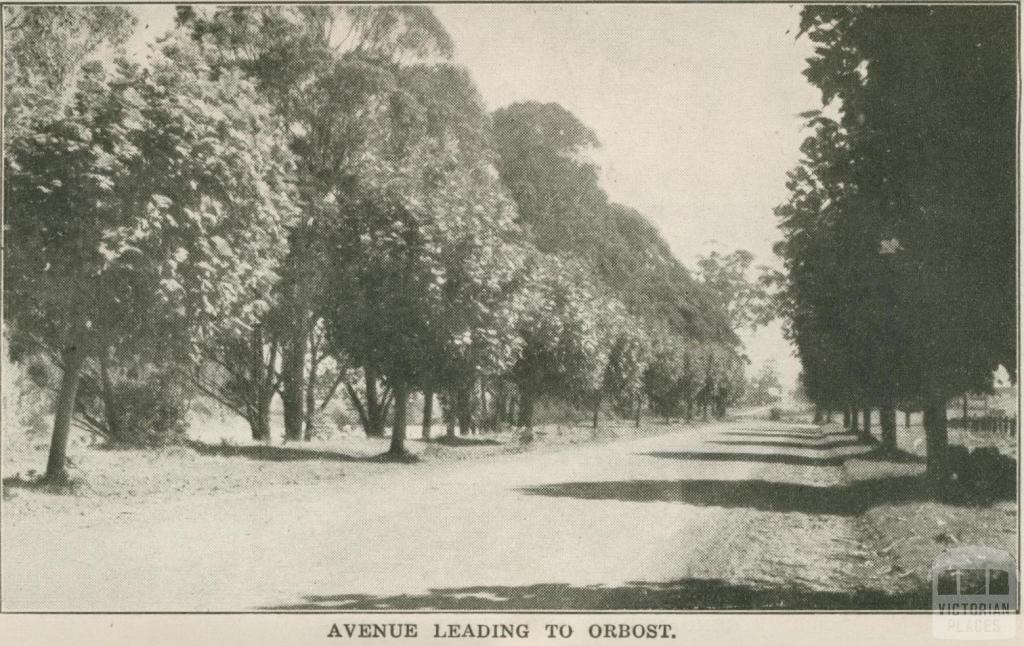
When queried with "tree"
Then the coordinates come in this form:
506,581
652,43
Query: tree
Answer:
670,380
290,52
899,228
743,298
543,161
179,188
765,387
418,243
564,351
628,360
45,48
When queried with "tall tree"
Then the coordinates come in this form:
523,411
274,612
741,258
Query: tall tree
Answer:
45,48
915,202
179,189
418,242
289,51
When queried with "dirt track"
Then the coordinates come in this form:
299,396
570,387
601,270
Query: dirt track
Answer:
736,514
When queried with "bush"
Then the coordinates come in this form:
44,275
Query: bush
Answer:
342,420
983,474
27,399
151,413
775,414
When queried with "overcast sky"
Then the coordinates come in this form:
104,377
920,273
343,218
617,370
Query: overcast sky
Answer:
695,106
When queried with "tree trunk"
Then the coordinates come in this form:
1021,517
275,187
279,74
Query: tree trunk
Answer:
936,442
263,415
597,410
310,408
499,405
526,416
867,424
112,414
887,419
374,412
689,408
483,415
259,423
64,410
967,412
639,410
906,418
854,421
818,417
463,411
512,410
428,412
401,395
293,379
828,415
720,403
846,418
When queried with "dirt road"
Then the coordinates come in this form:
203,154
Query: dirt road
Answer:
736,514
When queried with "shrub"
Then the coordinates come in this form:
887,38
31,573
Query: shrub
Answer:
775,414
27,400
983,474
151,413
342,419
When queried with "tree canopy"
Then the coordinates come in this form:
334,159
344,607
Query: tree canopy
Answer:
900,229
287,193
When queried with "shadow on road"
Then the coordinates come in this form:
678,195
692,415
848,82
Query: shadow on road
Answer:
275,453
874,453
763,495
447,440
882,454
786,435
833,444
684,594
765,458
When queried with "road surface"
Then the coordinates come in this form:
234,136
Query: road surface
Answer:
735,514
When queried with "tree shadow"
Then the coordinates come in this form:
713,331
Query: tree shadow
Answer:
764,458
763,495
783,444
882,454
275,453
447,440
39,482
785,435
682,594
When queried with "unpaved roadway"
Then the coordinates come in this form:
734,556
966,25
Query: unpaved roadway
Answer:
735,514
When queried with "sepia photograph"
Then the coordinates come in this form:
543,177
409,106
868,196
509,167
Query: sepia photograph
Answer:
511,308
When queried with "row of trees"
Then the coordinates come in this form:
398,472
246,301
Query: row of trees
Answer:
311,200
900,228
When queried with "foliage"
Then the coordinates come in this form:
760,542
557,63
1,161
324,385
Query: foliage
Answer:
741,296
296,200
899,232
179,189
310,62
565,329
542,151
670,379
419,243
146,406
628,359
765,387
45,48
179,208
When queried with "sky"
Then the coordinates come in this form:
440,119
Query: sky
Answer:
695,107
